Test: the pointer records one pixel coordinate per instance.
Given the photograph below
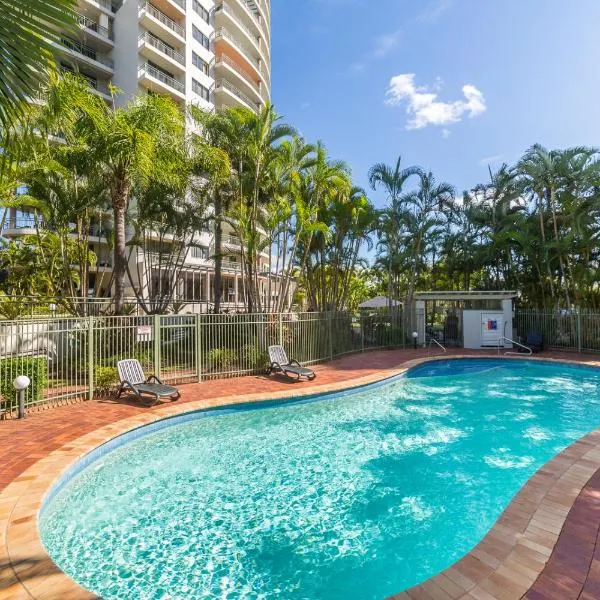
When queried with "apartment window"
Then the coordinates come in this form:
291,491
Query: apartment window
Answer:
201,11
199,89
200,37
200,63
199,252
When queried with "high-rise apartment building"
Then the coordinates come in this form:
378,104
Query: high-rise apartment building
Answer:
202,52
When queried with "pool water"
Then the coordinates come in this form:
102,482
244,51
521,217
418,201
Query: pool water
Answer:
352,496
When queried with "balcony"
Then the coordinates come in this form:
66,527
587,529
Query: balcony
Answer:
88,56
225,14
155,80
105,5
226,43
160,24
174,9
260,12
23,225
233,96
160,53
97,87
94,33
225,66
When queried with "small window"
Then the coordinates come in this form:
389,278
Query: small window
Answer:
199,252
200,37
201,11
200,63
199,89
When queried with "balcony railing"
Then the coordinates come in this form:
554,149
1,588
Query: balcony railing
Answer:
87,23
162,77
222,33
86,51
148,38
231,239
23,223
236,92
160,16
225,8
226,60
104,3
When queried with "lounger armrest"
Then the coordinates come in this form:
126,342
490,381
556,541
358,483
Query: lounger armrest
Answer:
154,378
295,362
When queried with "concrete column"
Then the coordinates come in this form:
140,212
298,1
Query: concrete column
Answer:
420,321
103,21
507,309
236,288
208,289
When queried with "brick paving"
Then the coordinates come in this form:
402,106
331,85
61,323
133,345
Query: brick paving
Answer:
532,552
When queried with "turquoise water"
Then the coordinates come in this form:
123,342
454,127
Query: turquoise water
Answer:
351,497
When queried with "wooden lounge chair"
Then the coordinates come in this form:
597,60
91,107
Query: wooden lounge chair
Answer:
131,376
292,369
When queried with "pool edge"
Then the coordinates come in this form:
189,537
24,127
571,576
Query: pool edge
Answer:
494,565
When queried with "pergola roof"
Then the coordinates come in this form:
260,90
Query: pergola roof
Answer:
379,302
470,295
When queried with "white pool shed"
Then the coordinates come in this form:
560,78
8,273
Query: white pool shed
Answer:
474,319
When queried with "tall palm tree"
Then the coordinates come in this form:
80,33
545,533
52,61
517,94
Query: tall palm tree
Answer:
131,145
27,30
392,179
424,213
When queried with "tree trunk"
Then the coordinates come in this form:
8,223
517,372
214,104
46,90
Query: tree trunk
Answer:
218,283
120,197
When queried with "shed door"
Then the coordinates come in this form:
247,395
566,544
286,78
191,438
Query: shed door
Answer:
492,327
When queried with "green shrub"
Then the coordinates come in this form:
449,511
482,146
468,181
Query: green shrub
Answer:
221,359
105,378
254,357
35,367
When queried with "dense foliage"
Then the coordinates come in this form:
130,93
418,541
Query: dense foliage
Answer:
143,178
533,227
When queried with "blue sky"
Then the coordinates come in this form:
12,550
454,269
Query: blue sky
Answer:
475,81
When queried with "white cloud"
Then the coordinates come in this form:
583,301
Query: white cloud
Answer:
423,106
446,133
383,46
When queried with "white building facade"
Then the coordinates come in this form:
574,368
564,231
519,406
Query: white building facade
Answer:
202,52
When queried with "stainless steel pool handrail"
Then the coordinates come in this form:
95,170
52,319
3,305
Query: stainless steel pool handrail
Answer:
432,340
503,338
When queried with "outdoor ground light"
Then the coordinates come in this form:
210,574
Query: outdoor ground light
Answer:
415,335
21,383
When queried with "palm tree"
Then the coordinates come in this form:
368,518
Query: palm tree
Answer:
131,145
423,214
392,179
545,174
27,30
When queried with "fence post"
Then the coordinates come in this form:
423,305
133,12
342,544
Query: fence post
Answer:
198,349
330,328
578,330
281,329
362,332
156,338
90,352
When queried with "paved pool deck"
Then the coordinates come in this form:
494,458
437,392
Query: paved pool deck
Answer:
545,546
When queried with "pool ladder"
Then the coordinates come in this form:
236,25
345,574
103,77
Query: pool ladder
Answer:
503,339
434,341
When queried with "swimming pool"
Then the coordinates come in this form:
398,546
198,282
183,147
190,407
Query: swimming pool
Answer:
353,495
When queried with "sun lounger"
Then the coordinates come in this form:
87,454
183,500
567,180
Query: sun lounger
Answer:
292,369
147,390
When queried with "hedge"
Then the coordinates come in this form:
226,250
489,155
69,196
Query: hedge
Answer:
35,367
